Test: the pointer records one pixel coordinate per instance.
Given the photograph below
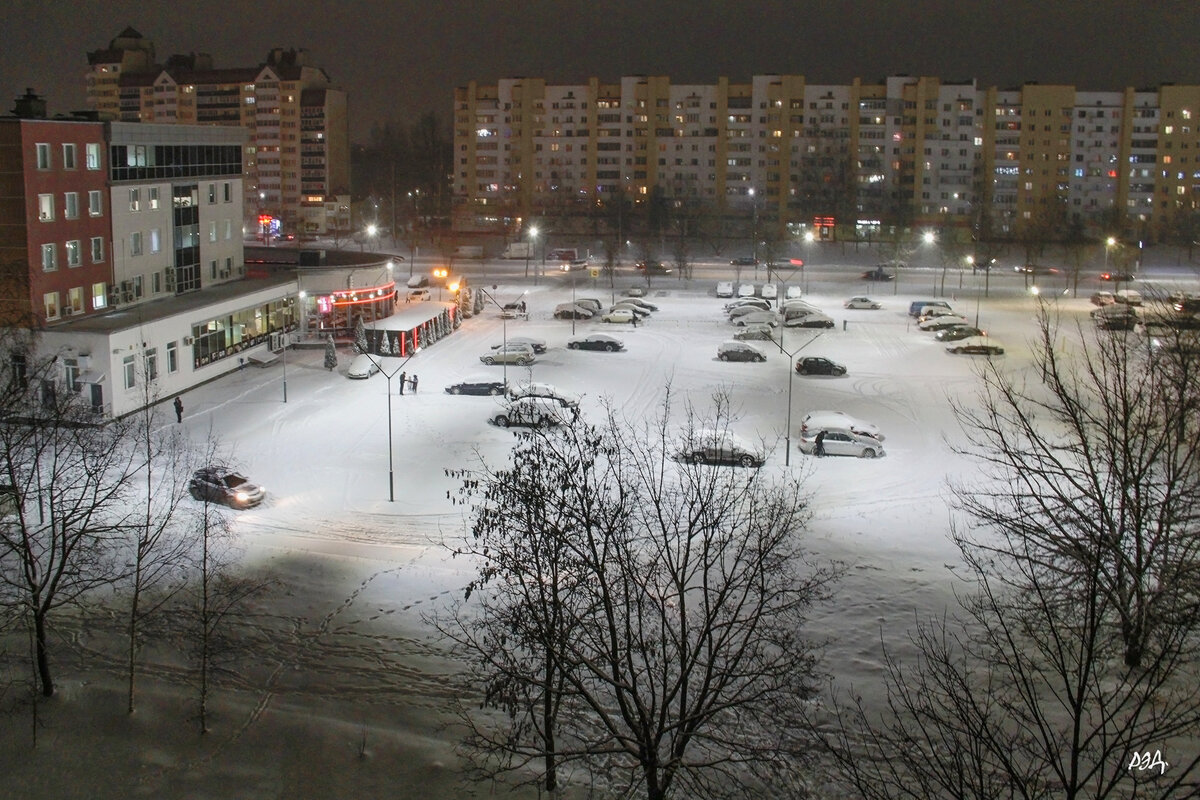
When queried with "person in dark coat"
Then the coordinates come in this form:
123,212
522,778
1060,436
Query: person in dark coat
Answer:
413,384
820,448
178,409
402,380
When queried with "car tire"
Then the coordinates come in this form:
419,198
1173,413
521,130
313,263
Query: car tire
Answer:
495,390
867,453
455,390
610,348
697,458
956,350
747,461
722,356
501,420
524,362
572,345
489,360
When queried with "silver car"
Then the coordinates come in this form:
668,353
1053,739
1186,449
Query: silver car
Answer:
513,353
842,443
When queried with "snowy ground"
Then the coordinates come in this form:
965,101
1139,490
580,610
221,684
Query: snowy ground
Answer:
338,658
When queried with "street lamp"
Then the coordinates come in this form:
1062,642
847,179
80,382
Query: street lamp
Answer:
533,232
754,231
440,273
791,367
1108,245
389,376
503,329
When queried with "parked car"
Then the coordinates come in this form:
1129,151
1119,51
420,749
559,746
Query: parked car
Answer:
813,320
630,306
739,351
534,412
1130,297
756,302
750,333
842,443
977,345
746,308
418,294
635,291
917,307
538,345
638,302
417,281
837,421
725,289
720,448
797,308
1117,276
589,303
757,318
878,274
1117,317
215,484
515,309
572,311
934,324
862,302
929,312
745,290
478,386
957,333
743,261
1103,298
619,315
597,341
769,291
549,390
363,366
521,354
793,292
819,365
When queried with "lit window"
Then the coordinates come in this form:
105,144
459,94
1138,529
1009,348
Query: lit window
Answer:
50,304
99,295
46,207
49,258
74,253
43,155
93,156
97,249
135,199
155,240
153,197
95,203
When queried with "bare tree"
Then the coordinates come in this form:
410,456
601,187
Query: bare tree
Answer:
1077,649
640,620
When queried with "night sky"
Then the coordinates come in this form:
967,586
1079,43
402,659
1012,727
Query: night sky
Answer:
401,58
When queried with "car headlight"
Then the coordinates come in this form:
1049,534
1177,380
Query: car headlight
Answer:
242,497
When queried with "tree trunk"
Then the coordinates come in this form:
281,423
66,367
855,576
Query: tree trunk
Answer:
133,612
43,657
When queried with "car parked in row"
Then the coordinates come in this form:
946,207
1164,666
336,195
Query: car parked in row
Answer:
1103,298
512,353
739,351
934,324
755,333
478,386
757,318
769,291
573,311
814,320
590,303
628,306
538,345
958,332
363,366
548,390
639,302
596,341
720,448
917,307
745,308
533,412
619,316
724,288
217,484
977,345
842,443
819,365
743,302
745,290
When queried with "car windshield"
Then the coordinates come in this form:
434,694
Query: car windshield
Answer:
233,480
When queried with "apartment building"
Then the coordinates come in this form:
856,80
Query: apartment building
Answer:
297,158
905,151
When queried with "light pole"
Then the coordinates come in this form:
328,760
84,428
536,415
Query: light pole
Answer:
440,273
754,231
1108,245
791,367
389,376
503,330
533,232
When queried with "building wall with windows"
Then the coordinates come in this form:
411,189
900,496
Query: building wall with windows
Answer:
908,150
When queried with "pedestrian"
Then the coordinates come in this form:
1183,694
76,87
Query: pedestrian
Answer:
402,379
178,409
241,363
414,384
633,320
819,450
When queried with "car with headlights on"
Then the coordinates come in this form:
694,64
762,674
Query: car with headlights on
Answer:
935,324
596,341
977,345
216,484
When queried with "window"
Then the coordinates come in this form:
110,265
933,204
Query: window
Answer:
97,249
151,357
212,231
75,298
95,203
212,268
153,191
212,193
71,369
228,189
93,155
99,295
130,376
49,258
135,199
71,205
228,229
135,243
50,303
155,240
69,156
156,282
74,253
172,356
43,155
46,207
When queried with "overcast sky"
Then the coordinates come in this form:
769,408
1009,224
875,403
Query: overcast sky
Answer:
405,57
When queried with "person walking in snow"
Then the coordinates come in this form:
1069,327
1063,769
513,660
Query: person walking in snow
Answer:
178,409
819,450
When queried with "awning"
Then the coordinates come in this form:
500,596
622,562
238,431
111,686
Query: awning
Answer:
90,376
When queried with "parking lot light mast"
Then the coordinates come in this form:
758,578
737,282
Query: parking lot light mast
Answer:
503,330
791,367
389,376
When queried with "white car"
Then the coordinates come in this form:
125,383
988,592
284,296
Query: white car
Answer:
418,294
837,421
534,389
756,302
757,318
862,302
746,290
770,291
363,366
725,289
814,320
532,411
747,308
942,322
629,305
619,315
513,353
842,443
538,345
793,292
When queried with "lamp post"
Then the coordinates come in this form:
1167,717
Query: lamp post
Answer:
440,273
533,232
503,329
754,231
389,376
1108,245
791,368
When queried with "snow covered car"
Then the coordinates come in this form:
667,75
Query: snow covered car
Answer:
793,293
619,315
745,308
478,386
769,291
814,320
818,365
929,312
538,345
745,290
513,353
934,324
862,302
957,333
725,289
628,305
597,341
363,366
748,302
534,389
837,421
1103,298
215,484
534,412
977,345
590,303
720,447
842,443
573,311
757,318
638,302
417,295
739,351
635,291
755,333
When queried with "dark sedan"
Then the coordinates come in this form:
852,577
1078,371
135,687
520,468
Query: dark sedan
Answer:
877,274
220,485
1117,277
816,365
597,341
653,268
479,387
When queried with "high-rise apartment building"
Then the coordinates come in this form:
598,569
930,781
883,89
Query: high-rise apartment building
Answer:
907,151
297,157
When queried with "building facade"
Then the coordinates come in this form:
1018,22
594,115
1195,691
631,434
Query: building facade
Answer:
297,157
907,151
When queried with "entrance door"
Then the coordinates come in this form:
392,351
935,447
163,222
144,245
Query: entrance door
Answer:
97,395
